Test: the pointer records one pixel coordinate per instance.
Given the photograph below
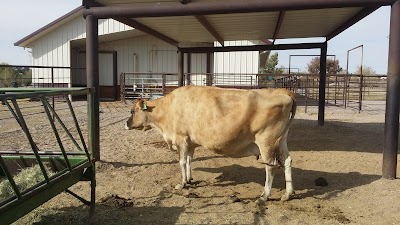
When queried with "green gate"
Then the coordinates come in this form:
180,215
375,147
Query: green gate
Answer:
60,168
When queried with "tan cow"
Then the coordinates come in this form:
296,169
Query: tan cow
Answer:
232,122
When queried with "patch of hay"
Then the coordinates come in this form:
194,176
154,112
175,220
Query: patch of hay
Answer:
24,180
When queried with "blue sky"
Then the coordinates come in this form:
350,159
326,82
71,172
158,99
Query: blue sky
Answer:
36,14
372,32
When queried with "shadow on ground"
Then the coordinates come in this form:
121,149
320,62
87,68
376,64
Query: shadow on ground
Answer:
117,164
111,215
306,135
303,180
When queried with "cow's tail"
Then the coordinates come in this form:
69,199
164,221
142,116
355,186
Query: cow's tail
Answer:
275,153
293,113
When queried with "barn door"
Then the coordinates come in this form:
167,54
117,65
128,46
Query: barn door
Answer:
107,74
107,77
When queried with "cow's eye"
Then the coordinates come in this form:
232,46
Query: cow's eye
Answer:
132,111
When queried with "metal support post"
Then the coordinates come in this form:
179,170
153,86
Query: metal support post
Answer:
189,69
92,71
322,85
209,79
390,149
180,69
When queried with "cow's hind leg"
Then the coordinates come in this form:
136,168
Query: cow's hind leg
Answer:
287,168
269,170
189,165
276,156
288,179
182,146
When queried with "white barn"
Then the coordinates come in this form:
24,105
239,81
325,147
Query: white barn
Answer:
122,49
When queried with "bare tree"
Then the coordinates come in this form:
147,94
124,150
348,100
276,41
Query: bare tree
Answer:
366,71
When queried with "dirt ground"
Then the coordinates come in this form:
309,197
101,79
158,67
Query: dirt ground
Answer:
137,173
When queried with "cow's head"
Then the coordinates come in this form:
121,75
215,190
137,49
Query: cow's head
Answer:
138,119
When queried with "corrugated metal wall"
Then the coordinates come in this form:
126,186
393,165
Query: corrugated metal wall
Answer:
53,49
105,69
145,54
138,54
236,62
236,68
198,69
150,54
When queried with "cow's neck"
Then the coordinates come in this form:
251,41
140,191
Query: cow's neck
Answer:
155,116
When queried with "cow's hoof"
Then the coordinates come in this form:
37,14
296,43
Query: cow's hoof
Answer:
286,196
263,197
261,201
190,181
179,186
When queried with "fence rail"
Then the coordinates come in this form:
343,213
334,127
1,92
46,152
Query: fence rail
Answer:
341,89
347,90
146,85
36,76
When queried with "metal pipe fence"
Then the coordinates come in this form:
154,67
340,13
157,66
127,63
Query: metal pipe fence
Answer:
146,85
36,76
341,89
22,76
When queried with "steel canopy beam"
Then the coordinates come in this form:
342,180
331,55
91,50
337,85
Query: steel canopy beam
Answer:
135,24
206,24
359,16
224,7
278,26
252,48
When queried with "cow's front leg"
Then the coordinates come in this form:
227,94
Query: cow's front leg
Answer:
183,162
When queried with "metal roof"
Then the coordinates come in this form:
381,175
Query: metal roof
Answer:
315,19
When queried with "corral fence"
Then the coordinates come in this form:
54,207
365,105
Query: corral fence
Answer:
21,76
146,85
345,90
154,85
36,76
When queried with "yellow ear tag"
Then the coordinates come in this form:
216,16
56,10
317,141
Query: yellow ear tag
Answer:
144,106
